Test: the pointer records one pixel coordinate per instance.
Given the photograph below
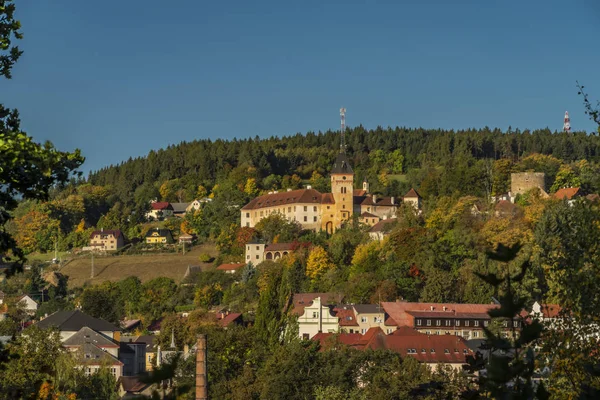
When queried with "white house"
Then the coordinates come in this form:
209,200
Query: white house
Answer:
28,303
316,318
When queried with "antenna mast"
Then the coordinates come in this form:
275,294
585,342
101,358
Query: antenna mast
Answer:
343,141
567,123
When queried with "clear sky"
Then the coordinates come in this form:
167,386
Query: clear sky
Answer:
119,78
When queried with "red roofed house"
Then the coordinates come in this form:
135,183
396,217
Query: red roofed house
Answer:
568,193
429,349
159,210
466,320
107,240
231,268
546,312
382,229
226,319
368,219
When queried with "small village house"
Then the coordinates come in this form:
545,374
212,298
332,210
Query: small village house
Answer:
159,236
159,210
107,240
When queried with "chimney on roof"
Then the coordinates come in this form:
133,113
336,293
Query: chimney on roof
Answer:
101,229
392,200
432,308
374,198
444,308
276,191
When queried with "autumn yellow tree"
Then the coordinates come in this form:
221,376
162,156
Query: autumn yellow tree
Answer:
250,188
318,263
36,231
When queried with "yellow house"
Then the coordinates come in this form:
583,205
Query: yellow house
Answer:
159,236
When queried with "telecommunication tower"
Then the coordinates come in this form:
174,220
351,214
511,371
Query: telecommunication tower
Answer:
567,123
343,118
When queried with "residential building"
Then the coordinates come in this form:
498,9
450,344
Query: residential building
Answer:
227,319
322,211
94,350
570,194
159,236
258,252
231,268
107,240
371,316
431,350
159,210
413,198
29,305
382,229
255,252
69,323
179,209
196,204
368,219
466,320
317,317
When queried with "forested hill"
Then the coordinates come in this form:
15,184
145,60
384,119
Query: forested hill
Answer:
272,162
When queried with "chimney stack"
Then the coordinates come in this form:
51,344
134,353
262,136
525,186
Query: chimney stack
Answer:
374,199
201,375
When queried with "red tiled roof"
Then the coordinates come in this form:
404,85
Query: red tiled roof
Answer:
302,196
132,384
359,192
327,198
285,246
400,311
425,348
161,205
228,319
412,193
505,207
368,215
230,267
345,316
302,300
567,193
115,232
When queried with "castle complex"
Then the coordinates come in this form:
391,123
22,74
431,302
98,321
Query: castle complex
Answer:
327,211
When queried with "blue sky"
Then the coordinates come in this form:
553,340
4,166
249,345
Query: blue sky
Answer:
119,78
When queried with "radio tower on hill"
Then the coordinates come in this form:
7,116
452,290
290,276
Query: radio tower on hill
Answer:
343,141
567,123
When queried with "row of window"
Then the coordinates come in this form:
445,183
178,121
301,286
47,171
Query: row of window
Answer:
474,334
448,322
432,351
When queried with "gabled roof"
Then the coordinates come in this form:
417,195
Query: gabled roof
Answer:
379,201
87,335
115,232
346,316
74,321
229,319
359,192
299,196
161,205
550,310
412,193
368,308
230,267
341,165
161,232
567,193
301,300
382,225
327,198
90,354
324,339
368,215
132,384
180,207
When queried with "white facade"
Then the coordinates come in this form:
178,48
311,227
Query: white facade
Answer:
308,215
255,253
316,318
28,304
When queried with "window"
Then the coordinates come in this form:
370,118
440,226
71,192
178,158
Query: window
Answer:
486,323
305,336
475,334
418,322
305,208
328,207
315,314
305,218
505,324
438,322
248,257
315,208
261,213
343,206
390,330
363,320
113,371
149,357
257,257
247,215
476,323
466,323
314,219
465,351
516,324
428,332
432,351
294,208
363,331
446,351
423,351
428,322
289,209
448,322
457,323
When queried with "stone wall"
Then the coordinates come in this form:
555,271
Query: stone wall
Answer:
522,182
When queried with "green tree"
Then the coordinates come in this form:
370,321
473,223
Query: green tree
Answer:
28,169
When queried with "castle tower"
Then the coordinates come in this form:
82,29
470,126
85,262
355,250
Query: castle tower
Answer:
342,184
366,185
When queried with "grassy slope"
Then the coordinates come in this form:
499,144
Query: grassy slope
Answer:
145,267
